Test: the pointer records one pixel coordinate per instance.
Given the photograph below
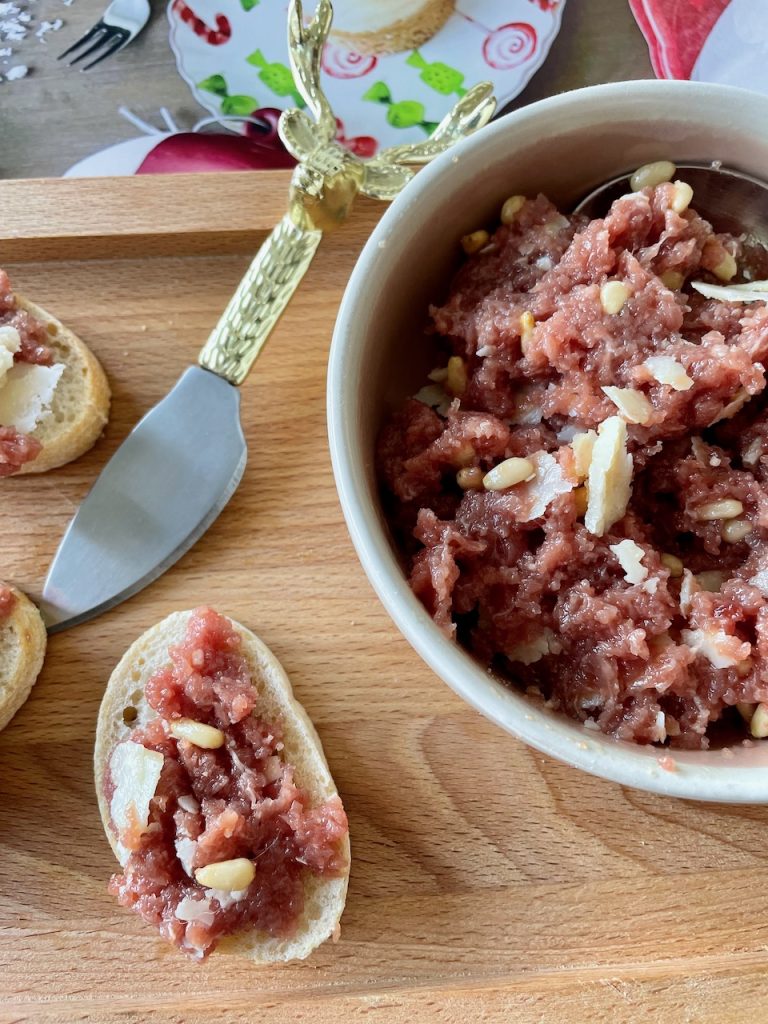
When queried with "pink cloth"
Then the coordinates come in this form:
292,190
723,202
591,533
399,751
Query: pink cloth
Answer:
707,40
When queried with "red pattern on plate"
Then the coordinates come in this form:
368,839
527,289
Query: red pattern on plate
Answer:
510,45
676,31
215,36
339,62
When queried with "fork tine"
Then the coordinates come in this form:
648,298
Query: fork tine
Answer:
99,27
102,40
119,43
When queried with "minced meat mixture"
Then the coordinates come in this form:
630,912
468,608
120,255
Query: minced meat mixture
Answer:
615,562
214,805
7,602
17,448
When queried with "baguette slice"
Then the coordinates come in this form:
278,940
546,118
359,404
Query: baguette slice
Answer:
22,649
80,407
324,898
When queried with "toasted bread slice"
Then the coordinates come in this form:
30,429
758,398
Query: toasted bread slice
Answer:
22,649
323,897
80,406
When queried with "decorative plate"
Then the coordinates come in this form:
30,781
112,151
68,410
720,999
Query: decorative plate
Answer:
233,55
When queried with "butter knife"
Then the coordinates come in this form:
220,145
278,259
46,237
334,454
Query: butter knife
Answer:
183,461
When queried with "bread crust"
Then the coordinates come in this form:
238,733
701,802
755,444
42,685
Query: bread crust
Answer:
324,897
23,641
87,388
407,34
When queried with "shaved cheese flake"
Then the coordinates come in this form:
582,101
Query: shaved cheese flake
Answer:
226,899
190,909
27,393
135,772
753,291
549,481
752,455
632,404
435,397
610,477
630,557
583,446
740,399
533,651
186,849
688,588
10,343
760,580
719,648
667,370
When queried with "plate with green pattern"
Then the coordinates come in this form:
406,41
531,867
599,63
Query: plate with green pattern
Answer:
233,54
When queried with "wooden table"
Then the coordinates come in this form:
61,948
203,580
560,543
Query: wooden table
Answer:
58,116
489,883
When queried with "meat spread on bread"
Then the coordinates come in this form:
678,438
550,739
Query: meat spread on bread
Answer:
216,797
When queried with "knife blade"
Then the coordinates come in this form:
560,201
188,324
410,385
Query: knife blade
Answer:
180,465
156,496
176,471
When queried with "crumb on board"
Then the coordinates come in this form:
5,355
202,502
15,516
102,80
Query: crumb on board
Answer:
45,27
16,72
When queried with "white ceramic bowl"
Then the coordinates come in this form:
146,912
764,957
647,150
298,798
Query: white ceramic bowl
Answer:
562,147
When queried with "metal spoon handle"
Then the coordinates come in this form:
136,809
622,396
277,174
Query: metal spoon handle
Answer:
259,300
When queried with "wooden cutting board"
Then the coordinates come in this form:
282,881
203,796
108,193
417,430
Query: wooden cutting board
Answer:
489,883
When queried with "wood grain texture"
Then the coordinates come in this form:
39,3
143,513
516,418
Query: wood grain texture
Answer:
489,883
148,215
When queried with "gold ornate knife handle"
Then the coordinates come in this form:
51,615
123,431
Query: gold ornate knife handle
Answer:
259,301
323,188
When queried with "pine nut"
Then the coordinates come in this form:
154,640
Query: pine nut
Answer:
674,564
465,456
613,295
650,175
725,508
475,241
758,726
632,404
456,379
470,479
511,208
439,375
726,268
208,737
744,668
527,323
228,875
682,197
508,473
672,279
711,581
746,710
735,530
671,725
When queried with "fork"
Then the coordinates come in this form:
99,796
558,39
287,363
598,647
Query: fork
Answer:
119,25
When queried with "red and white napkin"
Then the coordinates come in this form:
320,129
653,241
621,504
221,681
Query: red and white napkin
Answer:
707,40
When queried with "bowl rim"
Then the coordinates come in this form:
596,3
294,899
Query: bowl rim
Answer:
567,741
